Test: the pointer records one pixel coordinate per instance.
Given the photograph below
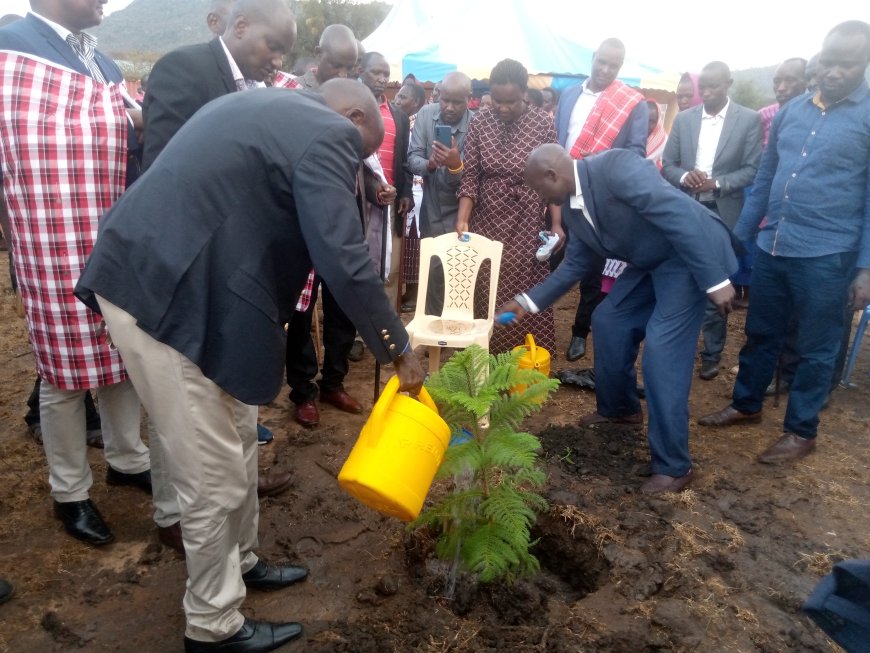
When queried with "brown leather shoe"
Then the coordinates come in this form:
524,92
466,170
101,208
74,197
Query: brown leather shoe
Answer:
341,400
595,419
729,416
788,447
268,485
171,536
307,414
659,483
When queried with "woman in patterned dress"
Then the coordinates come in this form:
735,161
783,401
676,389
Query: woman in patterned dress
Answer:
495,202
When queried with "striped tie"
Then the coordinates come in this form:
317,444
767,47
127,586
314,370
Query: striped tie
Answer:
84,46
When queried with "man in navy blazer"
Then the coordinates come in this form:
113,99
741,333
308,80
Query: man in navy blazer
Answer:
255,188
679,255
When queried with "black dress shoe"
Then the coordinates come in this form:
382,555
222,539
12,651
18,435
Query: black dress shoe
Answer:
83,521
142,480
264,576
577,348
253,637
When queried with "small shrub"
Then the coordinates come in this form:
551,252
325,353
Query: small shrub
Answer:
486,518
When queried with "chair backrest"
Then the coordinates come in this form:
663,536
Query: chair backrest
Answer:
461,261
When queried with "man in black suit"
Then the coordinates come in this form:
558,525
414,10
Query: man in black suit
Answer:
256,189
679,254
186,79
258,34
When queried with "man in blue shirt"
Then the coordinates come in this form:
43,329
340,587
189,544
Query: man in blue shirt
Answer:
814,188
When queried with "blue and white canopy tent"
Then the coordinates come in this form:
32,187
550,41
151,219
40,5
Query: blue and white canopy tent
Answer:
430,38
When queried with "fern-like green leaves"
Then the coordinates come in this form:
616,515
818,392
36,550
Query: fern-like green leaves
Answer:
487,516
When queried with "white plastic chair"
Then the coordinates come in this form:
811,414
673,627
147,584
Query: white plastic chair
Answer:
456,326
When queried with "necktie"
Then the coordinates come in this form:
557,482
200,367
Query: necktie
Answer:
84,45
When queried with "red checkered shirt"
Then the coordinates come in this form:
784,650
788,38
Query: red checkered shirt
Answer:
63,151
284,80
608,116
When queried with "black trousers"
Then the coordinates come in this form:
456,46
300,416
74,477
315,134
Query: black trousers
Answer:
301,359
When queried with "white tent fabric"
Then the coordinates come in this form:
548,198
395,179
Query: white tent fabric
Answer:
430,38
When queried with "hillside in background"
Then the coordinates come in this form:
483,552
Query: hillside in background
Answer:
146,29
153,27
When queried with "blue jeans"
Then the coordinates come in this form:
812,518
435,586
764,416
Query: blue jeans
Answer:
815,290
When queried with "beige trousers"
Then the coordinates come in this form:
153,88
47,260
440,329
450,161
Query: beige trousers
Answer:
210,440
62,416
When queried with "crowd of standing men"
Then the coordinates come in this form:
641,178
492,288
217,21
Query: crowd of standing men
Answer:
213,240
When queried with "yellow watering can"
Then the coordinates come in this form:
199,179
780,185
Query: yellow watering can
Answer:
535,358
392,464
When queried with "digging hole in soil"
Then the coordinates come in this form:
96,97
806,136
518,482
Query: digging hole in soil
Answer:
571,556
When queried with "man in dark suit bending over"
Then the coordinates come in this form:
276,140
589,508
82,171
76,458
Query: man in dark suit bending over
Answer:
257,187
679,254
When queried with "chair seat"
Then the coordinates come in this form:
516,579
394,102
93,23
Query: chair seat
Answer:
446,332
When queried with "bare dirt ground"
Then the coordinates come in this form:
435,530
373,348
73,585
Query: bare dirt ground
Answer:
722,567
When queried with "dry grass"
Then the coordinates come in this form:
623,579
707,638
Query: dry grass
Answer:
819,563
736,538
708,609
693,541
459,642
746,615
576,518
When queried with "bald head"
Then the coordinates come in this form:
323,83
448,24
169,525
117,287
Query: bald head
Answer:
336,53
259,33
218,16
550,173
456,82
356,103
454,92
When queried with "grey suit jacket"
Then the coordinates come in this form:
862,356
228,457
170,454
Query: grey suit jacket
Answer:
737,155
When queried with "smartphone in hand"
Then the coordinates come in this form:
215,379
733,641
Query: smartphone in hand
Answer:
444,135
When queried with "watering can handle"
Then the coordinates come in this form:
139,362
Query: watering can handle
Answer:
530,343
380,410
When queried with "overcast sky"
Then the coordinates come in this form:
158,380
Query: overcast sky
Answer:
679,35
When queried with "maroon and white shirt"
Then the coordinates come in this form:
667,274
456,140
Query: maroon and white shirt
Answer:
63,151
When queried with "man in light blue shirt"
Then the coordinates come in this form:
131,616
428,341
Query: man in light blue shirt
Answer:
814,188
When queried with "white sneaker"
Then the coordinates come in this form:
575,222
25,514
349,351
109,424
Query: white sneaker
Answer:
546,250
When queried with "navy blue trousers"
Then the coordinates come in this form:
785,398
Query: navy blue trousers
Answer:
664,309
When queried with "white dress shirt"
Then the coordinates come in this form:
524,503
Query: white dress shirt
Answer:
579,114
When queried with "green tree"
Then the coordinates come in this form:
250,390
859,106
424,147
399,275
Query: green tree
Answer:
746,92
485,520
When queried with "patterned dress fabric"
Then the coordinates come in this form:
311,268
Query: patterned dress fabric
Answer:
63,148
509,211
